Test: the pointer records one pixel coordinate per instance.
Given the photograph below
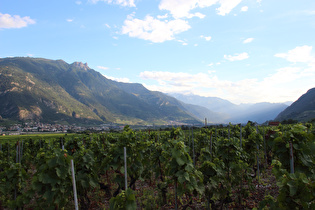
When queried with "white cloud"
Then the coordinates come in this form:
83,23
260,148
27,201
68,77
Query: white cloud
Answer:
298,54
182,8
244,9
207,38
102,67
153,29
183,42
227,6
237,57
170,80
125,3
178,8
162,16
248,40
285,84
284,75
15,21
108,26
78,2
197,14
70,20
125,80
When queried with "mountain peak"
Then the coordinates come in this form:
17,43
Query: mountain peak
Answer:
80,65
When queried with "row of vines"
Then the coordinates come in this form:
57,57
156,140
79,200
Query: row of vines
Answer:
205,168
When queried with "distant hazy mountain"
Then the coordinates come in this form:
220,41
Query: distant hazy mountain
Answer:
214,104
302,109
259,112
55,91
201,113
225,111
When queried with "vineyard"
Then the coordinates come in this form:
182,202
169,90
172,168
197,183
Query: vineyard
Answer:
238,167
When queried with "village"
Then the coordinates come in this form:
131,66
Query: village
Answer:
36,127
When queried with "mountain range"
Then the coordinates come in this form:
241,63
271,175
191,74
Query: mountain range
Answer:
53,91
223,111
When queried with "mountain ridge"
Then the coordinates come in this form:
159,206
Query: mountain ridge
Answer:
42,89
226,112
303,109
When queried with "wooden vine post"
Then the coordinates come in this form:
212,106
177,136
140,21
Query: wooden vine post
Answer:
291,158
229,132
257,145
193,145
241,135
125,160
265,147
74,186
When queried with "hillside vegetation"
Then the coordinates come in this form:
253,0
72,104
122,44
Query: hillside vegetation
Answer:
55,91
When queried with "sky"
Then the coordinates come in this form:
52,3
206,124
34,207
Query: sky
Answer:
244,51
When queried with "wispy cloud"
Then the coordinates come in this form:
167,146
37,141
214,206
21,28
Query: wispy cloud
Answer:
162,16
244,9
125,80
248,40
237,57
298,54
153,29
125,3
15,21
102,67
207,38
183,42
227,6
179,9
197,14
182,8
289,80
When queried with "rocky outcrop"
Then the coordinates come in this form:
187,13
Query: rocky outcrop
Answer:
80,65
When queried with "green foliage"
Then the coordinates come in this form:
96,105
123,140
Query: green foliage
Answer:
52,181
303,146
297,191
125,200
13,181
161,159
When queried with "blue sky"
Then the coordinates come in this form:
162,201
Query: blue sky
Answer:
245,51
